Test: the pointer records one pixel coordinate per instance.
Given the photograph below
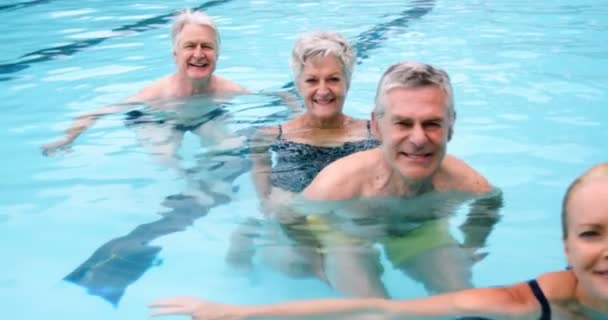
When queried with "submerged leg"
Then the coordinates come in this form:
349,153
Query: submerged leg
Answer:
441,269
355,271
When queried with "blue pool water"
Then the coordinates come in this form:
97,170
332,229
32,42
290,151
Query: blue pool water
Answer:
531,93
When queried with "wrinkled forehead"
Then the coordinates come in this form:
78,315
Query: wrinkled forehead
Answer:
427,100
197,32
323,60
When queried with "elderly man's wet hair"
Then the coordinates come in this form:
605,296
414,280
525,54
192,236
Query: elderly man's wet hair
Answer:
411,74
599,171
318,44
189,16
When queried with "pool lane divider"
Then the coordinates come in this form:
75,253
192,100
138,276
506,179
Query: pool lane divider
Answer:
43,55
21,5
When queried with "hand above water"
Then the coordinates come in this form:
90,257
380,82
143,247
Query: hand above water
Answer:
197,309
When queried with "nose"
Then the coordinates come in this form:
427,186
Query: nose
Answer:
323,88
418,136
198,52
605,249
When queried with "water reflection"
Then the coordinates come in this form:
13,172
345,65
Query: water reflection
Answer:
121,261
341,242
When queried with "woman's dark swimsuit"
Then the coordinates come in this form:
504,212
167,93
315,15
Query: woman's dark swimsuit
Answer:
297,164
540,296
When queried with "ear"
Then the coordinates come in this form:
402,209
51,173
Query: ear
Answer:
451,121
375,128
450,132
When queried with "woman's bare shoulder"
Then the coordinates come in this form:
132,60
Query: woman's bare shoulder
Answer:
559,285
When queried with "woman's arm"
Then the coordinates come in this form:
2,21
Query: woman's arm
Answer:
260,156
515,301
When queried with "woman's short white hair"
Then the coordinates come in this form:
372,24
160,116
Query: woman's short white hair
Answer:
321,44
189,16
411,74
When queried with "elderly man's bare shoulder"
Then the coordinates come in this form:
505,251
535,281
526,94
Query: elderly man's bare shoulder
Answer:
345,178
456,175
223,85
159,89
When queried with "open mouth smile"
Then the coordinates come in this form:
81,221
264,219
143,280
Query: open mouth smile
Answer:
421,157
198,64
324,101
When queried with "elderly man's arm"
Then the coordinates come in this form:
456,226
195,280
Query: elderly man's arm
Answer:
87,120
484,211
78,126
483,215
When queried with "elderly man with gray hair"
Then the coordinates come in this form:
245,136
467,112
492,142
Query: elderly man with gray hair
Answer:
421,187
196,44
413,118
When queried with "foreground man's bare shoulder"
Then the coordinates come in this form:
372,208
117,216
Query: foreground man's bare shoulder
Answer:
342,179
463,177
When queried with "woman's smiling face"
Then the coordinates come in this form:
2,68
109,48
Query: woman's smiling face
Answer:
322,84
586,241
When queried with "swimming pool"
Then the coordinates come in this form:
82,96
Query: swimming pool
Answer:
531,92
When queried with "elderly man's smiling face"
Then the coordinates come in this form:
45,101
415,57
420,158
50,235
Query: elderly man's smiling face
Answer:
414,130
196,51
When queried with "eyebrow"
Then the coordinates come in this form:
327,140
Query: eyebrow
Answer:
401,118
197,42
588,225
337,74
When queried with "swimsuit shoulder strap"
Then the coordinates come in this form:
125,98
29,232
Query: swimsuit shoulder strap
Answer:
540,296
280,132
369,128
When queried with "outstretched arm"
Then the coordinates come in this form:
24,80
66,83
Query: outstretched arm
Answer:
289,98
517,300
80,124
83,122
